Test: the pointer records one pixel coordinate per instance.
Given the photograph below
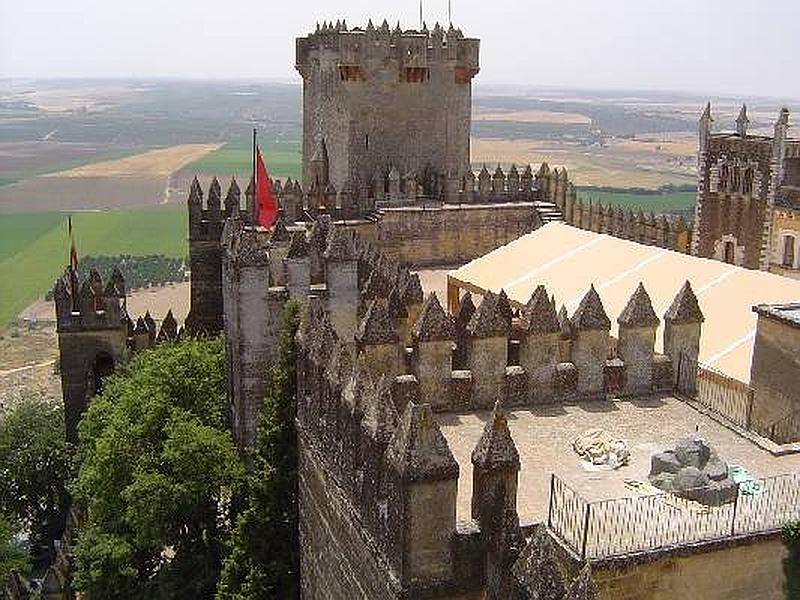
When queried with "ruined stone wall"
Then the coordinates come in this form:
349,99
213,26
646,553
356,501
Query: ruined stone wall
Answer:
736,572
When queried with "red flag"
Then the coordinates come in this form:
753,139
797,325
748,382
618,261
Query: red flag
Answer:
266,203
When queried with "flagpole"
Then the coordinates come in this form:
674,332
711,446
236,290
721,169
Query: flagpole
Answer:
255,182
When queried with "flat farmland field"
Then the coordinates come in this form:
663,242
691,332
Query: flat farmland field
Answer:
533,116
281,160
29,267
625,163
24,160
668,202
142,179
158,163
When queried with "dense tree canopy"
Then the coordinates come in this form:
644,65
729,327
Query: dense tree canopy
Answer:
157,468
34,465
12,556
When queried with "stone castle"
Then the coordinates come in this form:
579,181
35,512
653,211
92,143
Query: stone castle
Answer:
387,184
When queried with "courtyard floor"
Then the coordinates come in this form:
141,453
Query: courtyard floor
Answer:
544,435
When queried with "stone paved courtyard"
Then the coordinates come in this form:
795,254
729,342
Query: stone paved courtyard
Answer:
544,437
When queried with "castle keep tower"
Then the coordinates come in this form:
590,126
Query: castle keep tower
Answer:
381,103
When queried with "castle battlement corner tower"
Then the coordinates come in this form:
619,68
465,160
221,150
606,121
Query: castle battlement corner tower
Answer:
377,100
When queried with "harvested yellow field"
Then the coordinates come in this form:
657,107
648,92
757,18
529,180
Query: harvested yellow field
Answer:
153,163
535,116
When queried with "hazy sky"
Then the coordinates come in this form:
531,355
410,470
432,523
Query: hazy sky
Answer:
727,46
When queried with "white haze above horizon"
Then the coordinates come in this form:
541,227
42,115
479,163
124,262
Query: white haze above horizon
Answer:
732,47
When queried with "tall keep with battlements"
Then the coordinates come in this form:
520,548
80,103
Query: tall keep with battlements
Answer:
381,103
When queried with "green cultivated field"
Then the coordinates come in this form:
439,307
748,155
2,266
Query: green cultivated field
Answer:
281,160
678,202
34,247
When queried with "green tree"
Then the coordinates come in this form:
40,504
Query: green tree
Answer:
263,557
34,466
791,564
12,556
156,470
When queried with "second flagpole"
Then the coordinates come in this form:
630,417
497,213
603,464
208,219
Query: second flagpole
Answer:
254,216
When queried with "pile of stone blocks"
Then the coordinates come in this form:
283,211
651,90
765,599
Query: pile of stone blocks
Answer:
694,471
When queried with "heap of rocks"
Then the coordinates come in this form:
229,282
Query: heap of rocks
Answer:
693,470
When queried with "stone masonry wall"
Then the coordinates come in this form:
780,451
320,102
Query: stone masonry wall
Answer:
451,234
773,372
743,572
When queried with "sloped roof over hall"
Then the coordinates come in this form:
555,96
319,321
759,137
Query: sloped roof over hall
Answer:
568,260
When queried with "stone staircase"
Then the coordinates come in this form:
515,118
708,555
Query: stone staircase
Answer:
548,212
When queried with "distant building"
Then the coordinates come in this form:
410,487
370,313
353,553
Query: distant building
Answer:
748,196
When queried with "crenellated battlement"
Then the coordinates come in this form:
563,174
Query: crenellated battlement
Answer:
359,53
96,334
665,231
367,400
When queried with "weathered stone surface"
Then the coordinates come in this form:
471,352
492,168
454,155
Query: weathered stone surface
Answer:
419,451
490,318
694,471
590,313
638,312
684,308
536,572
539,315
433,323
495,448
376,327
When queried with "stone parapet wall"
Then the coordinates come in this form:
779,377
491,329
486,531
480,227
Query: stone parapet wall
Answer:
722,571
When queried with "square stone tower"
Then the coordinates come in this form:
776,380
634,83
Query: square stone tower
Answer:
742,178
381,104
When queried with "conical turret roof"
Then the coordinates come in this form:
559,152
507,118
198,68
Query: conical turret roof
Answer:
639,310
684,308
418,451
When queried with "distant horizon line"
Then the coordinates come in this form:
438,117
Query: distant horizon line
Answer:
291,81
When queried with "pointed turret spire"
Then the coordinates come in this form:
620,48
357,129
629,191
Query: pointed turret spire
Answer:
376,326
195,192
233,198
380,414
539,313
590,313
418,451
279,232
742,121
639,310
490,319
536,570
495,448
433,323
465,311
685,308
169,328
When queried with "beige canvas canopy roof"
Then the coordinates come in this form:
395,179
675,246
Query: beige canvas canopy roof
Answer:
566,260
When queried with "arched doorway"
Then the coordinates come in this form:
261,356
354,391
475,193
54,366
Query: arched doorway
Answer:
788,251
729,255
103,367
